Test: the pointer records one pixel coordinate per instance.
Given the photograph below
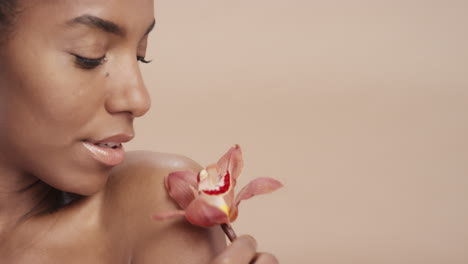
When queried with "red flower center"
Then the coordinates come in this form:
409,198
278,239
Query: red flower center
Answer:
221,187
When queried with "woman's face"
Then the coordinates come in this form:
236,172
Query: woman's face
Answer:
70,80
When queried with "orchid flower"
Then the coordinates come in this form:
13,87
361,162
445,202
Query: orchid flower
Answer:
207,197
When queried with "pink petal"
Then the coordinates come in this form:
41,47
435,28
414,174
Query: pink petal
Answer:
168,215
201,213
180,185
232,161
258,186
255,187
229,196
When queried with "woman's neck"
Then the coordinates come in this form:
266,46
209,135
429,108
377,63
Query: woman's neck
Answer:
20,195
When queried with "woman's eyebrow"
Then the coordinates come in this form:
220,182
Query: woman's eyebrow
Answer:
99,23
104,25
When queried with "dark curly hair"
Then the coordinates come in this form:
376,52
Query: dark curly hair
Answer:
8,10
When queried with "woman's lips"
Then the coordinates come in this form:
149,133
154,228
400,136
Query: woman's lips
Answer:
109,153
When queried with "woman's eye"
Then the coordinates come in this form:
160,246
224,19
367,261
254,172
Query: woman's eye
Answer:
89,63
142,59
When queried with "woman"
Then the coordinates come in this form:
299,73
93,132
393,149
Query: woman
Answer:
70,87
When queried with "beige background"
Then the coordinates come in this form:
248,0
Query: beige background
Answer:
359,107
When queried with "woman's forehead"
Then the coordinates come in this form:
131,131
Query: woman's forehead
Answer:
129,14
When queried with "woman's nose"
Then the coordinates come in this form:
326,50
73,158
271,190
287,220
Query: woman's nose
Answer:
127,91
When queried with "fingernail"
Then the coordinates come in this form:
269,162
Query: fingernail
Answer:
252,241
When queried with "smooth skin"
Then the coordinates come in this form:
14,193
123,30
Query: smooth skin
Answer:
70,73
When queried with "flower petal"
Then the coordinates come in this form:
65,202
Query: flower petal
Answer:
229,196
201,213
258,186
255,187
232,162
180,185
168,215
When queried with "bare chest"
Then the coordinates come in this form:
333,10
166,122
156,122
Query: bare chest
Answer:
91,251
47,258
77,237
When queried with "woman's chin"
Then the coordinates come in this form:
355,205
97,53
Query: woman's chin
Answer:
85,187
89,189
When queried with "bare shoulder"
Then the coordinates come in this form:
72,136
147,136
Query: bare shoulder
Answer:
134,192
143,174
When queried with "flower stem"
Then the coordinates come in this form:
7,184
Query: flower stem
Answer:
227,228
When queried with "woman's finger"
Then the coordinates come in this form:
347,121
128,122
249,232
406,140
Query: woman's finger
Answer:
265,258
241,251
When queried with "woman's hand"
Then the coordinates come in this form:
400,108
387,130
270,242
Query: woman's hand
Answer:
244,251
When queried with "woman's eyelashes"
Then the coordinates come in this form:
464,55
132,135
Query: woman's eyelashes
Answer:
91,63
142,59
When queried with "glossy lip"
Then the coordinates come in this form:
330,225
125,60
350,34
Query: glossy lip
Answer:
119,138
108,156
